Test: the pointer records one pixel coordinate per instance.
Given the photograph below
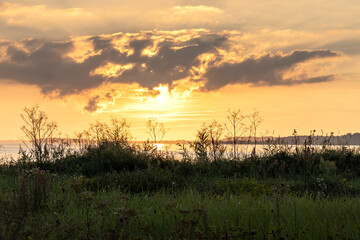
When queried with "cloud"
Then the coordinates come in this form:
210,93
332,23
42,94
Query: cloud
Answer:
266,70
41,17
92,104
62,20
50,67
99,100
59,19
150,58
199,15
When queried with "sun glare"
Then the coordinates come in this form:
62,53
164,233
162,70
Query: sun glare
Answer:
164,95
162,100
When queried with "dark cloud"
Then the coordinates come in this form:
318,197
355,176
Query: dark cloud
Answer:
48,67
266,70
101,43
47,64
92,104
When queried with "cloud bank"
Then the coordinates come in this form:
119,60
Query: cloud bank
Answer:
266,70
210,60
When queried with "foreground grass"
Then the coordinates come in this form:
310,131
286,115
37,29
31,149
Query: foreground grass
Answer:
58,208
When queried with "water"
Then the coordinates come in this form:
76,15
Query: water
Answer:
10,149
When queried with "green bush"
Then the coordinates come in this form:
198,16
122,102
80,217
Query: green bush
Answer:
325,186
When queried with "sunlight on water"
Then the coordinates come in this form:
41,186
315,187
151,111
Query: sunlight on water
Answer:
11,149
160,146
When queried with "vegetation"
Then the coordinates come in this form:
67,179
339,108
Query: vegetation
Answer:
235,129
110,188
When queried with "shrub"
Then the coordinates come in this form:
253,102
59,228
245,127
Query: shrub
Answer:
108,158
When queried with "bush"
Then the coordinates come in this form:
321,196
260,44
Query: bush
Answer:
324,186
109,158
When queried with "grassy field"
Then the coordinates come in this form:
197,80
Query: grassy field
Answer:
112,192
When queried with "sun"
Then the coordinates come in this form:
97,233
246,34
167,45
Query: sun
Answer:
160,99
156,101
164,95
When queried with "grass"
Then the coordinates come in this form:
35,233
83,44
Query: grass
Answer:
71,212
68,213
110,192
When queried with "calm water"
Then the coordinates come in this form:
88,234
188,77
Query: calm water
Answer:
11,149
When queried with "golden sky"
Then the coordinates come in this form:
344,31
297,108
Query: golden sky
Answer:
183,62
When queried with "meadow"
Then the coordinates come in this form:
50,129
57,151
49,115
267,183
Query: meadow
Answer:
111,188
114,193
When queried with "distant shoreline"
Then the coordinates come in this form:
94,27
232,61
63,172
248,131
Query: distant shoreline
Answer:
347,139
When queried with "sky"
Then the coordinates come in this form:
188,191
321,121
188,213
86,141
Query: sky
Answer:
184,62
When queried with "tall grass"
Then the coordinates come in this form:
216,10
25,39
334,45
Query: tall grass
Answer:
71,212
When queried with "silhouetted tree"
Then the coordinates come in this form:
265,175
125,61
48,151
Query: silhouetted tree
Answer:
82,139
255,121
98,132
235,128
119,132
156,130
201,144
215,131
39,132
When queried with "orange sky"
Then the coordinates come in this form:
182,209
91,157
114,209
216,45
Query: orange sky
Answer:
183,62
